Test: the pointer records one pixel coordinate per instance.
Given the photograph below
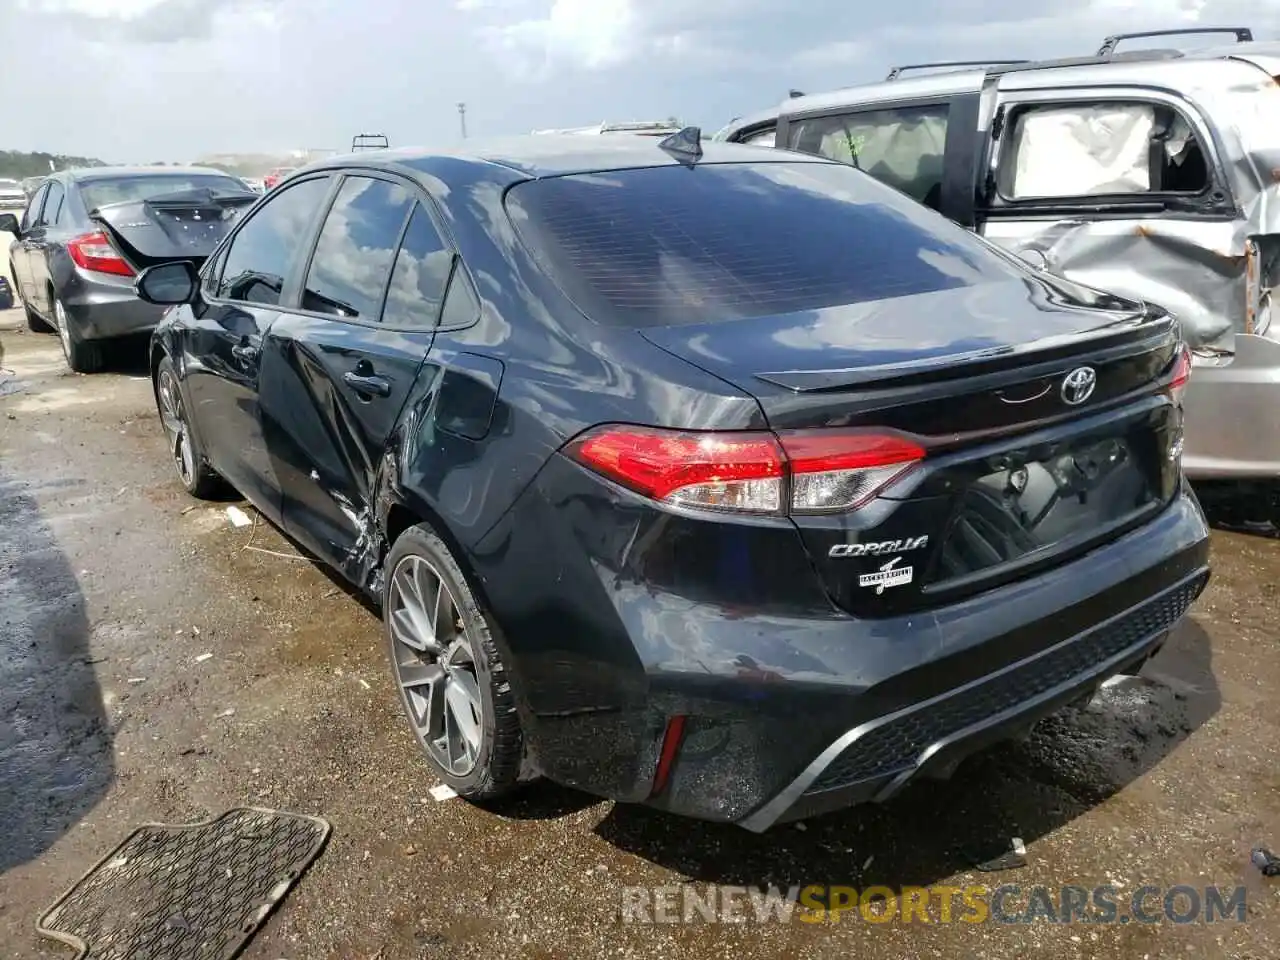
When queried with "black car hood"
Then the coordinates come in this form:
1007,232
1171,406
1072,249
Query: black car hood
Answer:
176,226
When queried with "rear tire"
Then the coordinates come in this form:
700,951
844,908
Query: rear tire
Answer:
83,356
453,686
199,479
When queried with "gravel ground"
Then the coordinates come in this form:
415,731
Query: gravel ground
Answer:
114,586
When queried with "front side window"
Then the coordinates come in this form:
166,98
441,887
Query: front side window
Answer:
356,248
32,213
1101,149
903,147
265,250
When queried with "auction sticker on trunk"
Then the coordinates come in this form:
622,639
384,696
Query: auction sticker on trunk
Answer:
889,575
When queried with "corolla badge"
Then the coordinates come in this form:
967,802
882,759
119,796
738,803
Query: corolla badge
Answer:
877,548
1077,386
889,575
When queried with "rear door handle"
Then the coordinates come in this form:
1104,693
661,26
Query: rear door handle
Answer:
370,384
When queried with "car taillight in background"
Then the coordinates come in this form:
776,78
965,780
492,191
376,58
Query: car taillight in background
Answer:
1181,373
756,472
93,251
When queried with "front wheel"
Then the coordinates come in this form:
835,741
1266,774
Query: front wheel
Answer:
453,685
188,456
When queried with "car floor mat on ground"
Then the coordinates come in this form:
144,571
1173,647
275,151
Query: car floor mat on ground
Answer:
187,891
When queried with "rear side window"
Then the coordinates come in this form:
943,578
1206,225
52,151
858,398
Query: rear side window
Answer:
1114,148
670,245
357,246
53,204
266,249
421,272
903,147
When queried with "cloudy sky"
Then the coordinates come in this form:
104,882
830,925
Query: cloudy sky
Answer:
142,80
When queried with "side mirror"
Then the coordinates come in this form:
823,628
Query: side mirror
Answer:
9,224
167,284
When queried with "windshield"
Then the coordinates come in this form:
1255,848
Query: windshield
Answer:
669,245
99,193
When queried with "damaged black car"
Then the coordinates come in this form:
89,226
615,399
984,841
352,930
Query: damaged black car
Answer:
722,480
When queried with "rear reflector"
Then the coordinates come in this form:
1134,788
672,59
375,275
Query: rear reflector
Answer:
666,759
757,472
93,251
1181,372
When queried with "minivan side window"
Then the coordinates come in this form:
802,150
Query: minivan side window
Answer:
421,272
763,138
356,249
1111,148
902,147
265,250
52,204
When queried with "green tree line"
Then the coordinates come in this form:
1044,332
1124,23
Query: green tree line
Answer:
18,165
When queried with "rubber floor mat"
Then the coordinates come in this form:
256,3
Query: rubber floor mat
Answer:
187,891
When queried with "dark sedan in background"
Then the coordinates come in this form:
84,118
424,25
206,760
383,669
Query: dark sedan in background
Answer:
732,482
86,233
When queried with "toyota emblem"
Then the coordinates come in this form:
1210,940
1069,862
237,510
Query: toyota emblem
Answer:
1077,386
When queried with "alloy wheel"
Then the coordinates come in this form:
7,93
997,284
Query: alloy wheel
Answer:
64,332
173,418
435,666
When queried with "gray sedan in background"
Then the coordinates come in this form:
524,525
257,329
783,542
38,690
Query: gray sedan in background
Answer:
86,233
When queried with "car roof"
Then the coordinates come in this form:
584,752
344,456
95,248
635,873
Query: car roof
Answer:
552,155
1138,65
90,174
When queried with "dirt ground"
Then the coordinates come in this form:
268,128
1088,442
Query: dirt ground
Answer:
114,585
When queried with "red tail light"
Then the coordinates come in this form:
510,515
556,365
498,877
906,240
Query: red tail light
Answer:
1181,372
817,471
93,251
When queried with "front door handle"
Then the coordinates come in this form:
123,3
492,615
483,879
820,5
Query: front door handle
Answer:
245,351
367,384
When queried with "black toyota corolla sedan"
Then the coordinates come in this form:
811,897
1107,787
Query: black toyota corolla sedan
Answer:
723,480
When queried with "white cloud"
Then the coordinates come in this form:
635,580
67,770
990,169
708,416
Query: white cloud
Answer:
195,76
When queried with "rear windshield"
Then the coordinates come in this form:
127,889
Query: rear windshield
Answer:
670,245
99,193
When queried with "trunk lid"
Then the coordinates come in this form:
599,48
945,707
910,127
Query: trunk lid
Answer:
178,226
1015,479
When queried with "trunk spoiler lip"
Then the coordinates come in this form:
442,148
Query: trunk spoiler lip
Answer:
1136,334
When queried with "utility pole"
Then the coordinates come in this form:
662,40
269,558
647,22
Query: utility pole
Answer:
462,119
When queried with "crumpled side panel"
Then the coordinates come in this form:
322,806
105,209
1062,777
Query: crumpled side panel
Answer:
1197,269
1194,269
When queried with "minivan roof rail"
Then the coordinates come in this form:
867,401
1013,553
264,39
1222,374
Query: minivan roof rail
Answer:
1108,48
896,72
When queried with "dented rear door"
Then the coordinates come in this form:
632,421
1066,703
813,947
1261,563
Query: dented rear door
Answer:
339,366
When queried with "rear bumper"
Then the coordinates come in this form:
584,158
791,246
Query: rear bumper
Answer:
873,761
1232,431
791,706
107,307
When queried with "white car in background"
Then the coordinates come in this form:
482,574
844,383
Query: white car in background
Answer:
12,196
